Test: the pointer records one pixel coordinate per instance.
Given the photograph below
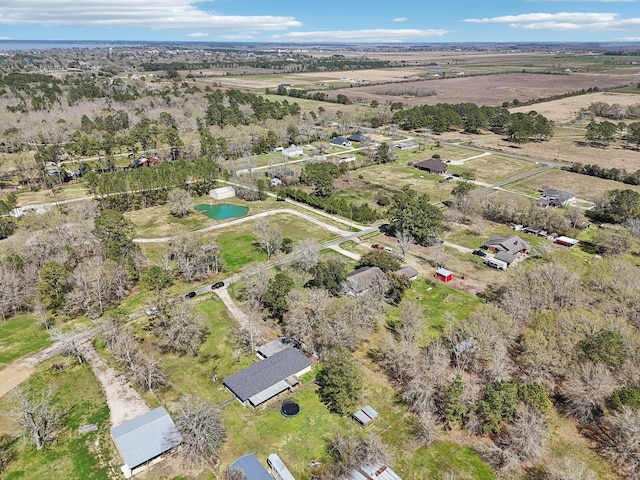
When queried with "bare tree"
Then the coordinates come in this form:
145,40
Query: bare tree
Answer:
36,412
250,329
526,439
405,240
624,427
571,469
147,371
427,429
180,327
234,474
12,294
180,203
268,236
411,322
306,254
201,426
68,346
586,390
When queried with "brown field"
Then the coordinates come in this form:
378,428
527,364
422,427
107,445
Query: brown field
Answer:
565,146
566,110
490,90
584,187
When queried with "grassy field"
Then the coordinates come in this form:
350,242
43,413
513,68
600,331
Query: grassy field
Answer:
583,186
393,176
20,336
72,455
493,168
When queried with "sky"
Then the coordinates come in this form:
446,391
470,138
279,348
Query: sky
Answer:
350,21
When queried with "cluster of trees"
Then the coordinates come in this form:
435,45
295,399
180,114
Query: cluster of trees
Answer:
618,206
617,174
615,110
603,133
244,108
333,204
33,91
414,214
519,127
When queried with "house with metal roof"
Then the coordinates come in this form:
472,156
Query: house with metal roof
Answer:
267,378
340,142
408,271
271,348
144,439
251,467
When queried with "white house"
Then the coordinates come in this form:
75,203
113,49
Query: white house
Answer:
222,193
293,151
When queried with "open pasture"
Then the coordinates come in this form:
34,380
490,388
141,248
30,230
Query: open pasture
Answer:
491,90
583,186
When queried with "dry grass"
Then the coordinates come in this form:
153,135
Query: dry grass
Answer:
567,109
585,187
493,168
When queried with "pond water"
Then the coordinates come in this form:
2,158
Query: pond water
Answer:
223,211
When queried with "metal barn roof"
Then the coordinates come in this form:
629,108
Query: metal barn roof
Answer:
252,468
146,437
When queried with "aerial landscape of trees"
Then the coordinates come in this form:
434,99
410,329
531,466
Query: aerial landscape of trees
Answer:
529,373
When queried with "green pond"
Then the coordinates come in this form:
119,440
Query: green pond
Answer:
223,211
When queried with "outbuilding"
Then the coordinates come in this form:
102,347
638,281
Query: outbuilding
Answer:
365,415
222,193
566,241
444,275
144,439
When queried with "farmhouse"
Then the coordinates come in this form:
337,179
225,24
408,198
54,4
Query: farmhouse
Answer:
507,248
293,151
555,198
432,166
265,379
340,142
408,271
365,415
444,275
145,438
252,468
360,280
375,471
222,193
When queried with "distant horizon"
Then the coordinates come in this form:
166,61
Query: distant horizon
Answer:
332,21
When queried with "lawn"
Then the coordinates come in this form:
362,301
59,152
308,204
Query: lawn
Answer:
72,455
493,168
20,336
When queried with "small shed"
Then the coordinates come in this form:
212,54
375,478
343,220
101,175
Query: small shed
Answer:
444,275
365,415
145,438
252,468
408,271
222,193
279,470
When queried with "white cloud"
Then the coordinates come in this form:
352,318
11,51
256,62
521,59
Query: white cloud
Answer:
628,39
156,14
580,1
379,35
400,19
563,21
198,34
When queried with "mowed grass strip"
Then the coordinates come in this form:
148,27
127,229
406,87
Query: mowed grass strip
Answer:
20,336
71,456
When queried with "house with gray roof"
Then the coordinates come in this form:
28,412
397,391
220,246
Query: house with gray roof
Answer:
408,271
507,249
269,377
340,142
360,280
144,439
375,471
432,165
251,467
552,197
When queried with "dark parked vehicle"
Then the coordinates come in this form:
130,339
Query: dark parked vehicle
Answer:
190,295
217,285
479,253
377,246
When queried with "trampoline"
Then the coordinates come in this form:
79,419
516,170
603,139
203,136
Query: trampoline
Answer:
290,408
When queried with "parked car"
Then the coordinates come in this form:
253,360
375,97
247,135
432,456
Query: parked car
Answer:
377,246
190,295
217,285
151,311
388,249
479,253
